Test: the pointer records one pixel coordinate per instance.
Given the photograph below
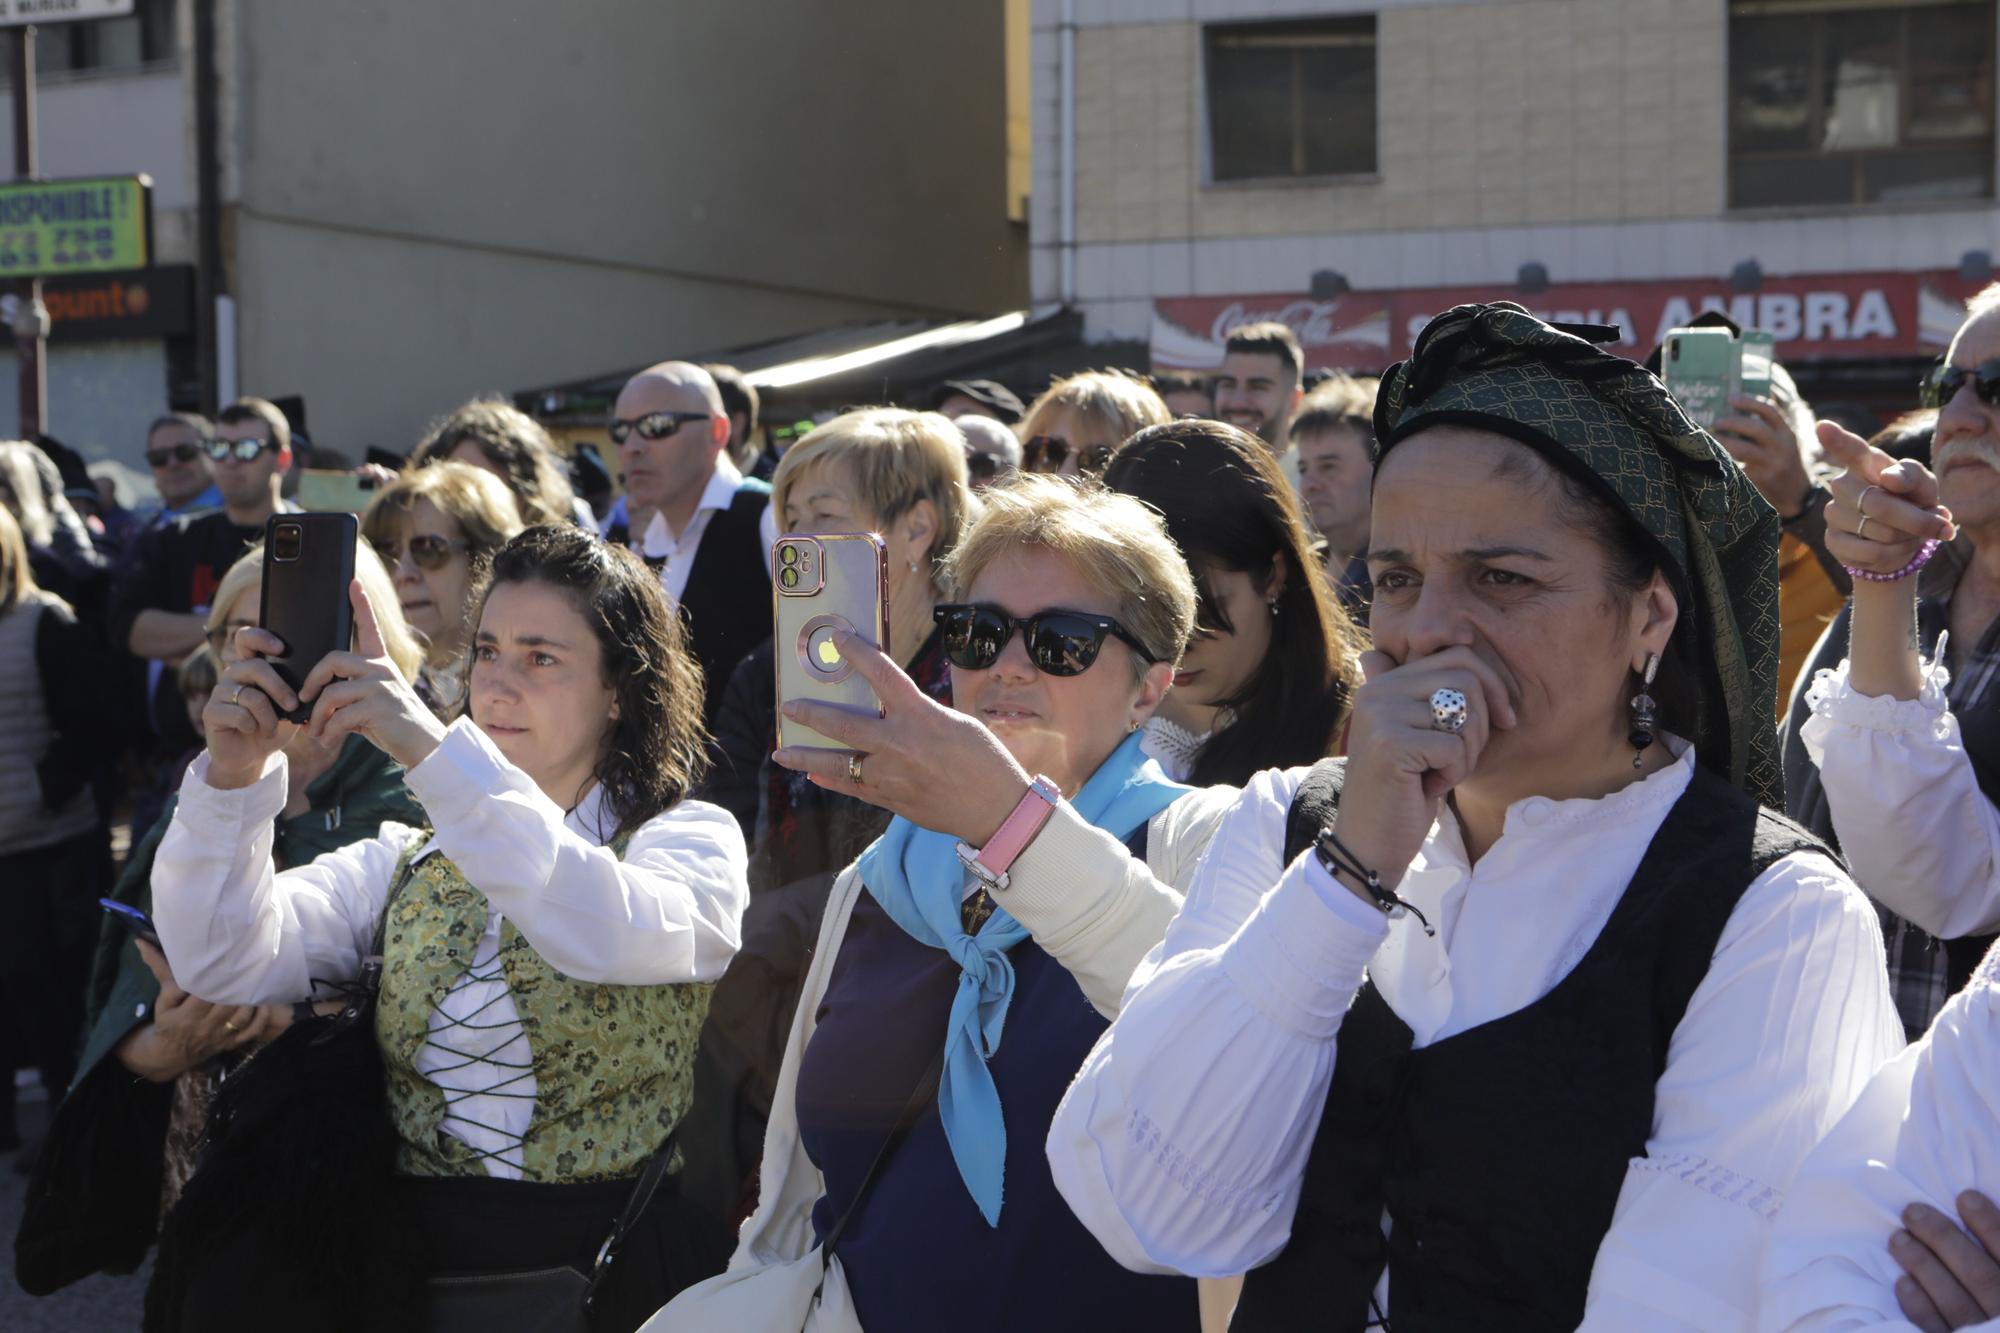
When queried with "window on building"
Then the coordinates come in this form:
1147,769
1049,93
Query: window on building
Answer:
1291,99
143,37
1859,101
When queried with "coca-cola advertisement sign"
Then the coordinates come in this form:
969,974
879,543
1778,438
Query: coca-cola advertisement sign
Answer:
1812,316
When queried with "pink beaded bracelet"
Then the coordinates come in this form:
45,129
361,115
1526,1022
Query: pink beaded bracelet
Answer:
1917,562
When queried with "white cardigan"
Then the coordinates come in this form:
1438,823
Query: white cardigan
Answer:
1083,898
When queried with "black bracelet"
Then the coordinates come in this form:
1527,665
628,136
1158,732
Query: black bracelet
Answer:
1333,854
1816,497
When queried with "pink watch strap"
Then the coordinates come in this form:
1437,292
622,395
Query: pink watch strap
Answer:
1020,827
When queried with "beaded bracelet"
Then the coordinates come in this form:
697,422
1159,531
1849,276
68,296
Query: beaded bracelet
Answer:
1334,856
1917,562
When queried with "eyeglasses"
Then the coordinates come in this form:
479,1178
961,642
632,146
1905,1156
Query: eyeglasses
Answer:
654,425
985,467
243,451
219,637
427,551
1061,643
1944,382
178,453
1047,453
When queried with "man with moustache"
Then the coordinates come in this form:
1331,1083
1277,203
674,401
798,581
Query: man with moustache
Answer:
1260,383
710,530
1858,761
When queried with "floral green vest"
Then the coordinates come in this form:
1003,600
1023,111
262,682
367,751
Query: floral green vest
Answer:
613,1065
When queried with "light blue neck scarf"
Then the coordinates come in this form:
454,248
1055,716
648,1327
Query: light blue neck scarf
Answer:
916,876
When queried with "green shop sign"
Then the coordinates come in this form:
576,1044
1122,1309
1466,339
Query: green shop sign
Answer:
92,225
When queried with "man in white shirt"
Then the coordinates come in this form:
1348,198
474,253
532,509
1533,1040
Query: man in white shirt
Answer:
710,531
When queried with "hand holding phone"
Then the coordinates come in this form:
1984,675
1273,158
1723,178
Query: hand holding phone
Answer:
826,583
308,563
134,920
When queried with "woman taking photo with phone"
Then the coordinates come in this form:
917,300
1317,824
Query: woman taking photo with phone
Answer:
947,1006
1266,680
545,944
1524,1014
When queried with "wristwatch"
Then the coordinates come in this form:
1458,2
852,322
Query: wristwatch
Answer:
989,864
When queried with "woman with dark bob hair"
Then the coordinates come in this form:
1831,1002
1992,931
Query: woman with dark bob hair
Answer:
1265,681
546,945
1522,1015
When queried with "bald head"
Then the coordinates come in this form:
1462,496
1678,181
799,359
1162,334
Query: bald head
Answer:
672,386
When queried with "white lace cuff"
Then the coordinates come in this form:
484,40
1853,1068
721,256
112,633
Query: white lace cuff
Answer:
1833,698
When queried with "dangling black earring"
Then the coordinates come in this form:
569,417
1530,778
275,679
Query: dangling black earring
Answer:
1645,712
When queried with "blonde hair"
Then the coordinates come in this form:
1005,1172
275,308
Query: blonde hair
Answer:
896,458
31,510
515,443
476,500
16,579
399,641
1119,402
1115,542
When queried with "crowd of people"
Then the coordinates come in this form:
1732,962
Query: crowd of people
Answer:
1468,849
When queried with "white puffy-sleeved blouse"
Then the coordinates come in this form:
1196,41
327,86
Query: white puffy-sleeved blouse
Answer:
1183,1140
671,910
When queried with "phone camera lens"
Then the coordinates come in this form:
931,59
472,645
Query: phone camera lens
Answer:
788,555
789,577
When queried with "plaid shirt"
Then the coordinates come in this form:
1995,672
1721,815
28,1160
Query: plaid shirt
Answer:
1918,966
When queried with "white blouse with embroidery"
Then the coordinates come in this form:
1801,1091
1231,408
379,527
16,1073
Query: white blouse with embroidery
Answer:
1182,1142
236,933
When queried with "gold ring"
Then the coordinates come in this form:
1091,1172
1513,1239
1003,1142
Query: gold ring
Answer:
1861,528
1861,505
231,1026
854,768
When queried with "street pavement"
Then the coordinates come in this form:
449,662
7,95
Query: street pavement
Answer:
96,1305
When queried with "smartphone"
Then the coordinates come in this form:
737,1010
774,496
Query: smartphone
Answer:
823,583
1756,352
308,563
1699,367
132,919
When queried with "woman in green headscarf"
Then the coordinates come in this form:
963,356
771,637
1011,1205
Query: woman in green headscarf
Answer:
1593,1004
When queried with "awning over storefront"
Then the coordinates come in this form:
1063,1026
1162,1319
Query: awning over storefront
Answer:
892,361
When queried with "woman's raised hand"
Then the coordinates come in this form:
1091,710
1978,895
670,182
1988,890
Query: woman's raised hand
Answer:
363,692
1898,498
240,720
1399,764
935,766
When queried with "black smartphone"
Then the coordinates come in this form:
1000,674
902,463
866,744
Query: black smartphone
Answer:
308,563
132,919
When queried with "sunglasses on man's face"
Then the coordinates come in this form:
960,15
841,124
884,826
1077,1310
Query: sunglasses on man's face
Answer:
1060,643
173,453
1944,382
653,426
427,552
243,451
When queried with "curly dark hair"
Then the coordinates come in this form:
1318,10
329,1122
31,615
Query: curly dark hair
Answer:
1226,504
658,745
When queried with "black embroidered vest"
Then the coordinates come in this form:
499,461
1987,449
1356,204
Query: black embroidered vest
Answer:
727,604
1498,1153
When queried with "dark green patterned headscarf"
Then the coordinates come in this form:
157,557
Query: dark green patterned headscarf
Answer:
1609,422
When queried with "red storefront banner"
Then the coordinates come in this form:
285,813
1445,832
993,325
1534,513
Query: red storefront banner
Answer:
1841,316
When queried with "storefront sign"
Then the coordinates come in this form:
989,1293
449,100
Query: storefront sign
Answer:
14,13
153,303
1813,317
96,225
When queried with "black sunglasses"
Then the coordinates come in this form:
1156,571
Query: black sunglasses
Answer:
1061,643
181,453
427,551
654,425
242,450
1944,382
1047,453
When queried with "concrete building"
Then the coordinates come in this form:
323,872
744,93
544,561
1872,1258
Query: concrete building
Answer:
1822,168
414,203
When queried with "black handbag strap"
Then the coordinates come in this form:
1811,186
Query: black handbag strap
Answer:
636,1204
920,1099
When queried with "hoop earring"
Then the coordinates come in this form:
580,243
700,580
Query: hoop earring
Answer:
1645,712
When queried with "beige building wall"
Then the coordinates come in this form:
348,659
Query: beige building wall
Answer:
1586,135
430,200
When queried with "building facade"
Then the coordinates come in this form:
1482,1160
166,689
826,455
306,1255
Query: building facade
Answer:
1820,168
397,206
